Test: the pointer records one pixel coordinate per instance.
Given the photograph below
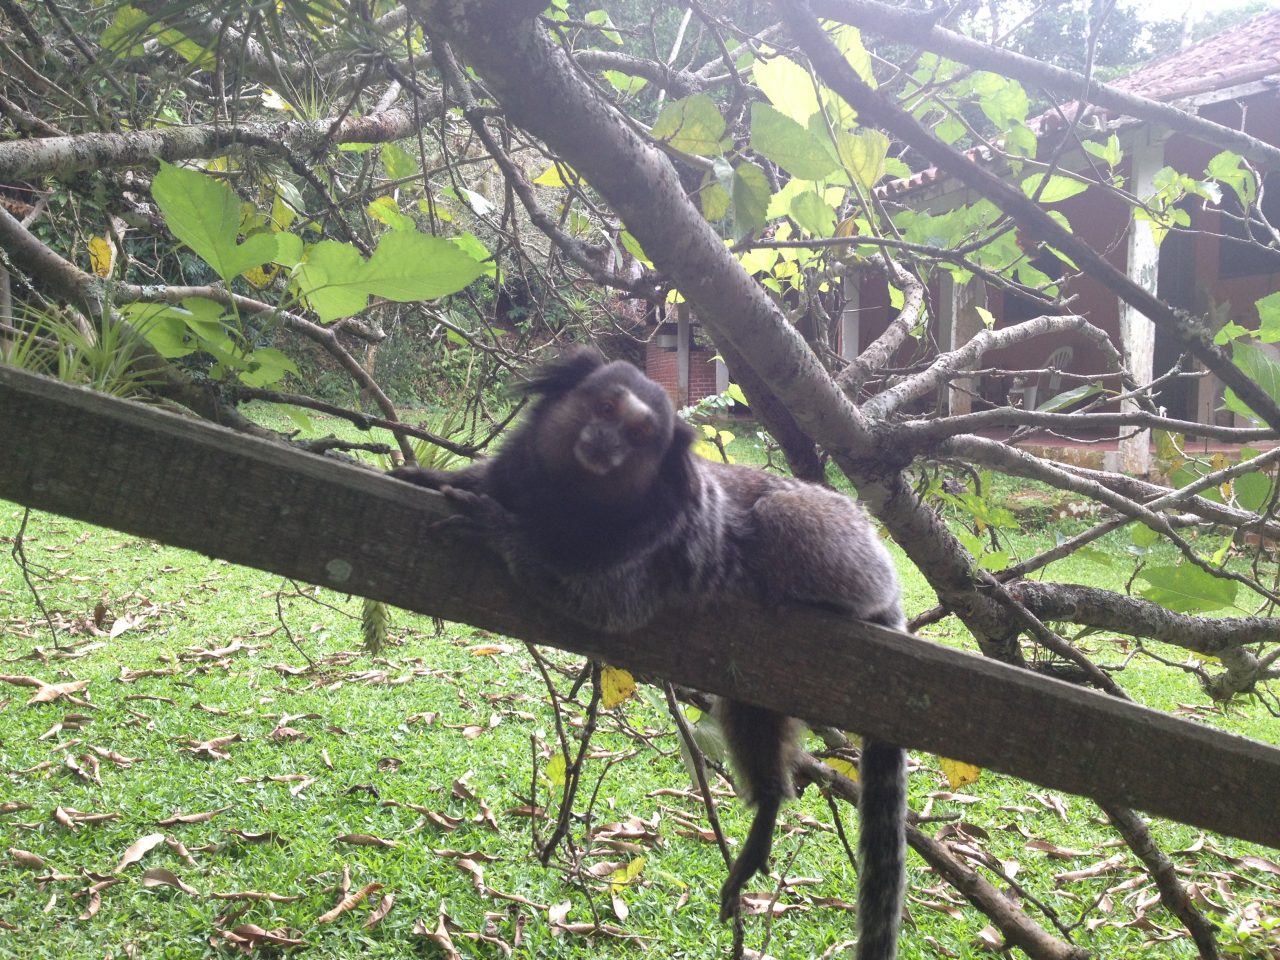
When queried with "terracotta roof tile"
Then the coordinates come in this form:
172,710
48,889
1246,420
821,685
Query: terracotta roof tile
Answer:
1242,53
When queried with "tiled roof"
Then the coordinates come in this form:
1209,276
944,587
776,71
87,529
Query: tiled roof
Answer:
1245,52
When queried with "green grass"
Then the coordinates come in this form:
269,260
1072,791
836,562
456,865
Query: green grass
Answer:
492,716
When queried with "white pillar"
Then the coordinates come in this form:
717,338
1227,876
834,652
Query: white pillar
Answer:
1137,332
958,322
851,316
682,355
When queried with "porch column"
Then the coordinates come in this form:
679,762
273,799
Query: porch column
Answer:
1137,333
958,322
682,355
851,316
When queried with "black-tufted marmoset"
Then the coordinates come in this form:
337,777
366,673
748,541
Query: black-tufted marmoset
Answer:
603,512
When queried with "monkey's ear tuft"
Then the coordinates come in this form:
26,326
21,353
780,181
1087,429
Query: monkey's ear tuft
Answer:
561,374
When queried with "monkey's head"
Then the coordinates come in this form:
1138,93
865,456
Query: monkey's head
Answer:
605,430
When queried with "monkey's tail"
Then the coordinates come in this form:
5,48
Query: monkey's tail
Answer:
762,745
882,849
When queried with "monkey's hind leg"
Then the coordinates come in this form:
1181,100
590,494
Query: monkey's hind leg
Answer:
762,744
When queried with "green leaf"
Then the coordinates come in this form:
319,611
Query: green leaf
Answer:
625,84
788,87
1069,397
386,211
813,214
600,18
1261,368
863,154
470,244
205,215
632,246
399,163
1187,589
751,195
328,279
266,365
124,36
1108,153
692,125
1269,318
791,146
1253,491
713,197
1228,168
950,130
1058,188
417,266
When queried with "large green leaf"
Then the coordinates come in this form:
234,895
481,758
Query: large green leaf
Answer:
329,278
751,194
692,125
205,215
1057,189
1269,318
1187,589
788,144
863,154
417,266
813,214
1261,368
788,87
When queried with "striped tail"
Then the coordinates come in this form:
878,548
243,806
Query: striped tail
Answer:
882,849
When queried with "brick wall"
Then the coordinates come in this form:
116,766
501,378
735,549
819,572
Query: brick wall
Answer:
660,365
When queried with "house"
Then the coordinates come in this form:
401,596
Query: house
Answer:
1233,79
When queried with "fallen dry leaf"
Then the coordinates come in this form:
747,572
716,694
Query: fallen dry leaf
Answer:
251,935
138,850
366,840
349,902
25,858
380,912
191,817
49,692
160,877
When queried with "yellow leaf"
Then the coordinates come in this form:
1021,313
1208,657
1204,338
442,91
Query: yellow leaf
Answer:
959,774
555,770
552,176
617,684
844,767
101,254
625,875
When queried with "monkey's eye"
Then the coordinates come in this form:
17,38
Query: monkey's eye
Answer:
607,409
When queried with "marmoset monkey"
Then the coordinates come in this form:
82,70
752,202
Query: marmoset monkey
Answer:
603,512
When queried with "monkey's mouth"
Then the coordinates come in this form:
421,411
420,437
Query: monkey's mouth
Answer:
598,456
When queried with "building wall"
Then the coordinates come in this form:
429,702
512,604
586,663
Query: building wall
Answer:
660,365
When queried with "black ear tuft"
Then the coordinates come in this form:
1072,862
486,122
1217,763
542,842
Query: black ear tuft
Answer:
562,374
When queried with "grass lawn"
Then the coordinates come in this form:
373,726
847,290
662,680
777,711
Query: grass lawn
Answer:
183,689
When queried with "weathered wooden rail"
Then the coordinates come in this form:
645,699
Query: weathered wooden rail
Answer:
195,485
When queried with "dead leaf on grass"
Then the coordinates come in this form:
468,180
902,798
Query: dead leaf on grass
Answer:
27,859
439,936
191,817
160,877
251,935
138,850
367,840
380,911
349,902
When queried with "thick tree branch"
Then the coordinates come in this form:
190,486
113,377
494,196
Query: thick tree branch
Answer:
1135,617
59,156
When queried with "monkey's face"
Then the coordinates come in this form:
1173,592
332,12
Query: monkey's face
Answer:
606,438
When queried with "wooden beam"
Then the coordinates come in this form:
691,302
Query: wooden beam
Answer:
195,485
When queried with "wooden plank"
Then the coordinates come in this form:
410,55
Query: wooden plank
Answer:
192,484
